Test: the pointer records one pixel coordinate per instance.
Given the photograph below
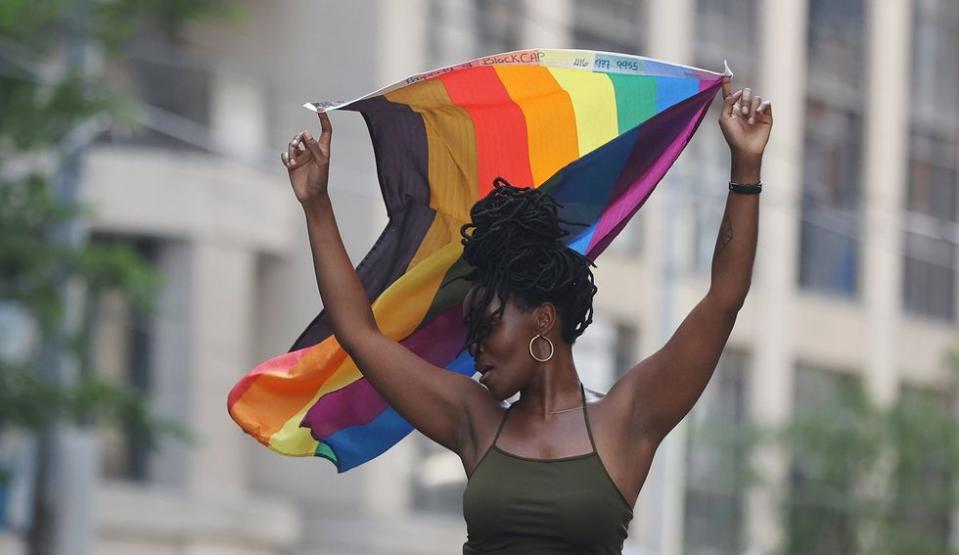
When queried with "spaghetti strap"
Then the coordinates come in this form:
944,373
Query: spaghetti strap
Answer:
502,423
589,431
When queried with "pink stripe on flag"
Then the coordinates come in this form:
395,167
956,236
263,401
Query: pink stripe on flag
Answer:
279,365
647,165
358,403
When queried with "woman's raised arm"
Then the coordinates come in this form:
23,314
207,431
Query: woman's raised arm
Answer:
657,393
436,402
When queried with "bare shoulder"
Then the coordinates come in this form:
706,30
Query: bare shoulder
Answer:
603,416
595,400
627,455
481,406
613,414
484,414
601,406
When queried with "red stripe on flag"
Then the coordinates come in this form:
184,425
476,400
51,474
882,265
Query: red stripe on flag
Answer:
502,147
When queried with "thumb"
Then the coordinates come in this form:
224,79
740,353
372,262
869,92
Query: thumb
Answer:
729,101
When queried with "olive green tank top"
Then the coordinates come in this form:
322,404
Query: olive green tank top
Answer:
515,504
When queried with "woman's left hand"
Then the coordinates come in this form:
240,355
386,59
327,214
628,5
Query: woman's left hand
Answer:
745,120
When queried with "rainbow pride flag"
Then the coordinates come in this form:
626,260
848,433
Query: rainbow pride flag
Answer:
597,130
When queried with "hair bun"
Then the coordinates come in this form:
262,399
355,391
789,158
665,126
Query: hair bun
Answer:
514,245
511,218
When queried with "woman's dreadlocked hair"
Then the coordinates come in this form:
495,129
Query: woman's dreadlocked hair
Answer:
516,252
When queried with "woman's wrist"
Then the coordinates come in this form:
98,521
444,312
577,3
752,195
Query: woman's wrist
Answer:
746,168
317,204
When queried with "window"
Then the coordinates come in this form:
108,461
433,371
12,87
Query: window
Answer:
715,461
611,25
625,349
725,30
830,219
704,175
826,459
176,93
459,31
121,353
830,226
929,264
499,25
605,351
629,242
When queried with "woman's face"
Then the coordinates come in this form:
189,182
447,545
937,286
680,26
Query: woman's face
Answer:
503,356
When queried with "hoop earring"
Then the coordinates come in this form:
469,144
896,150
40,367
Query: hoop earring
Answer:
531,348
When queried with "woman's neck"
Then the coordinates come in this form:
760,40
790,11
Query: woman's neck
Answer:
554,388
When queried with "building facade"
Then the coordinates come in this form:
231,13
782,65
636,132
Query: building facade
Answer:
855,275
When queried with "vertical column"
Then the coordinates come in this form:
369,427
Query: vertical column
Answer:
221,298
170,383
886,148
671,39
885,155
670,29
783,72
403,45
238,120
456,32
548,24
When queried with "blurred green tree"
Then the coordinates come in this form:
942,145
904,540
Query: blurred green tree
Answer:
873,479
51,107
862,478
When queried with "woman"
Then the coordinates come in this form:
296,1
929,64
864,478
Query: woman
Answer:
555,471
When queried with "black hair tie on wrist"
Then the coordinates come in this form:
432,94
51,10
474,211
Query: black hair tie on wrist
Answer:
748,188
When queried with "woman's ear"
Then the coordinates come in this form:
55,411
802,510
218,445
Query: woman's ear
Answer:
546,317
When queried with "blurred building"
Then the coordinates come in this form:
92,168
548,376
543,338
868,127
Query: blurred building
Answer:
855,276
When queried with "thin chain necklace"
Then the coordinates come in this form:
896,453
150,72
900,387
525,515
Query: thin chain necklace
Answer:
558,411
564,410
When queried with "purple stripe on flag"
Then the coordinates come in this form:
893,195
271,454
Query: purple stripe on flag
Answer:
648,164
358,403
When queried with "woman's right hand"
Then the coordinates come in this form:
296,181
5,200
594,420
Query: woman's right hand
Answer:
308,161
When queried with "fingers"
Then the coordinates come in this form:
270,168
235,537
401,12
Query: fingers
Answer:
294,151
291,149
288,161
766,108
313,146
747,101
730,103
757,101
304,146
744,105
727,85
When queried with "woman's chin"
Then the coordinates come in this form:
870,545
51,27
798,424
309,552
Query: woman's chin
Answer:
486,380
491,387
